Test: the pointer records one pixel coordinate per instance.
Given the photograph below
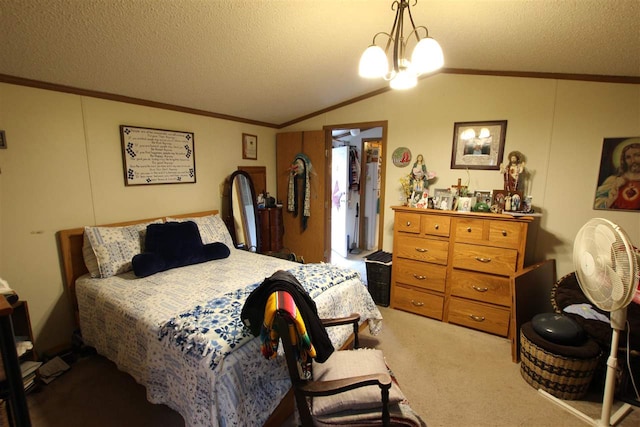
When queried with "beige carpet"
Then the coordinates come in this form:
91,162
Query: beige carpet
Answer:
455,376
451,375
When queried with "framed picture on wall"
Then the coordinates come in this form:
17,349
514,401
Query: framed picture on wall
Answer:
249,146
157,156
617,186
478,145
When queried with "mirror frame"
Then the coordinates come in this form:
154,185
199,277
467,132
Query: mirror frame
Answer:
229,220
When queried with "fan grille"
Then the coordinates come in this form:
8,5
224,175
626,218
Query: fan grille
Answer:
606,264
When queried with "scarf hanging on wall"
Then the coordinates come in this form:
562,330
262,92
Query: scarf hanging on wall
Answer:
300,168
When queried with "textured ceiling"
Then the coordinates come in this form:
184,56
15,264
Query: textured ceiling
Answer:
275,61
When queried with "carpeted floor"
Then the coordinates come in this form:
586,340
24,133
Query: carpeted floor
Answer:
451,375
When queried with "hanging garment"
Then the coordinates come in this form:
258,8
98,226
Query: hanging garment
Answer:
253,311
300,169
354,166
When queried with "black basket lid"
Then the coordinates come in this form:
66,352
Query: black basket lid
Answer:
381,257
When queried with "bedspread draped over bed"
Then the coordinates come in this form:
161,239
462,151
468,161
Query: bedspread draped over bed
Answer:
179,332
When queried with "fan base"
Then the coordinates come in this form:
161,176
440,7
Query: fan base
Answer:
622,412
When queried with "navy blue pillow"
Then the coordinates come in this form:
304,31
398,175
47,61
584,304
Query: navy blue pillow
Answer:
174,244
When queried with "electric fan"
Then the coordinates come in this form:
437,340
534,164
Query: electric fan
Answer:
607,271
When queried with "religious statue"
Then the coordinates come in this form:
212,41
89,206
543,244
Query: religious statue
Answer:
414,185
419,174
513,171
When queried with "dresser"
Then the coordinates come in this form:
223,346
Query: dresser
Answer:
459,267
271,229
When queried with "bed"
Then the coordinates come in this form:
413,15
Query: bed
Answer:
178,332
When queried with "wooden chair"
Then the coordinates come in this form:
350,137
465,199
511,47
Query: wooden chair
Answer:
307,392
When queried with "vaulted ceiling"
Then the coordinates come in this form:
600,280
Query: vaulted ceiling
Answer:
273,62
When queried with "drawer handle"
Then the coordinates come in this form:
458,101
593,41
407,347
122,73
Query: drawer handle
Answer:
479,289
476,318
408,223
469,229
437,227
504,233
421,250
416,303
485,260
419,277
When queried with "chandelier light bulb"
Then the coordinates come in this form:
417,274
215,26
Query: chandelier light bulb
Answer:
405,79
484,133
427,56
373,63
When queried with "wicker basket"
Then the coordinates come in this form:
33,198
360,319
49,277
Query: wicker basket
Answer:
561,376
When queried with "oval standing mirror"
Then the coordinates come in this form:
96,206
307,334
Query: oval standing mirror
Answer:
242,211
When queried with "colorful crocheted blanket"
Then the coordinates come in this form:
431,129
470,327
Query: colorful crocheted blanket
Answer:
283,301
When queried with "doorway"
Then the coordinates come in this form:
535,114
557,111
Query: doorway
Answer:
356,218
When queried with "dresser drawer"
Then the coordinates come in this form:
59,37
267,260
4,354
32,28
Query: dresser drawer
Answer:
506,234
480,316
417,301
470,230
486,259
481,287
407,222
436,225
420,274
421,249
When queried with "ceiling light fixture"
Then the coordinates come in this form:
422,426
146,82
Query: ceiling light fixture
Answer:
427,55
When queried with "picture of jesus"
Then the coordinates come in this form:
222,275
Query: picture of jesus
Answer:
619,179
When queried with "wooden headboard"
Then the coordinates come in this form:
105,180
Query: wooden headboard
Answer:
71,252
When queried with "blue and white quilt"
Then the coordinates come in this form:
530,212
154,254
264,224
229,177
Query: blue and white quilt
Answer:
179,332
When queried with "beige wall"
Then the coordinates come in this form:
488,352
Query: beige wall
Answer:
63,167
559,126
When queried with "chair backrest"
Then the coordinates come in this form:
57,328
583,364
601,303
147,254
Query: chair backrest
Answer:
282,324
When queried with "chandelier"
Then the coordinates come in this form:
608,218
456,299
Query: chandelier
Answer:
426,57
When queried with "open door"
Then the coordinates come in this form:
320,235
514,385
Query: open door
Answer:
339,178
306,239
313,243
365,218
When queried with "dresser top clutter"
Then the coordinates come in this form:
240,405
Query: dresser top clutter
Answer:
460,267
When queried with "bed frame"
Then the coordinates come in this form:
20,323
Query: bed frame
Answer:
71,240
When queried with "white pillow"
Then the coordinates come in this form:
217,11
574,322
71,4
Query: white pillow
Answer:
352,363
90,259
212,229
113,248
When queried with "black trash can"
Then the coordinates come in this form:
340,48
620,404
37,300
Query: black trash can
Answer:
379,276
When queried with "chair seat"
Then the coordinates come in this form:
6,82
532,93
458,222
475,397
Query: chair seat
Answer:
344,364
344,380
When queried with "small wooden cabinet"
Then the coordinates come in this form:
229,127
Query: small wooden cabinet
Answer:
271,229
458,267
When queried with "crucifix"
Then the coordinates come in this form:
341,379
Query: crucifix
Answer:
459,187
